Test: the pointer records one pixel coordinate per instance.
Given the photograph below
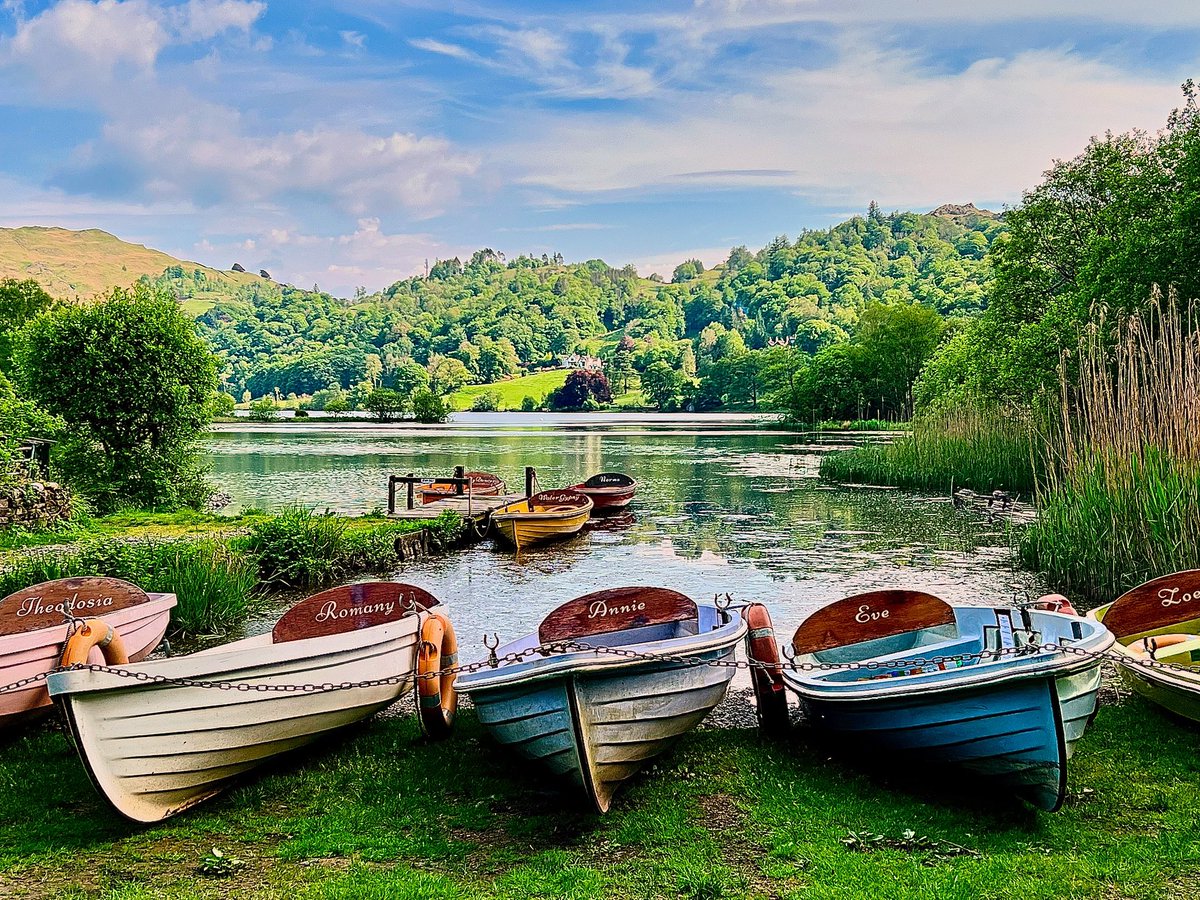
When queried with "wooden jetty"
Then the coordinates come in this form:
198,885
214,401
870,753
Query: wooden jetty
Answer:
469,506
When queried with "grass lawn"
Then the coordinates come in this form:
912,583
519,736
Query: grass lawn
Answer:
381,813
513,391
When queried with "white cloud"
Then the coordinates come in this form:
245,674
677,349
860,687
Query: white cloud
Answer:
367,256
664,263
206,153
204,19
354,39
874,125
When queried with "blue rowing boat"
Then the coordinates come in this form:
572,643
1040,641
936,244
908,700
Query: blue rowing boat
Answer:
968,686
595,717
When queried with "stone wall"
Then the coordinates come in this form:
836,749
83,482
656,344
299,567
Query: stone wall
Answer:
34,504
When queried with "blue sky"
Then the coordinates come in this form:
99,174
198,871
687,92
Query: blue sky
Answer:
343,143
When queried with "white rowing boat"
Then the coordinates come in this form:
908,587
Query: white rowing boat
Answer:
160,736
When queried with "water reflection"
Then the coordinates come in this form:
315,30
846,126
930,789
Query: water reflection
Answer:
736,511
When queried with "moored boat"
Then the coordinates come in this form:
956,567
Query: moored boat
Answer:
546,516
1157,626
482,484
35,624
160,736
921,684
609,491
594,718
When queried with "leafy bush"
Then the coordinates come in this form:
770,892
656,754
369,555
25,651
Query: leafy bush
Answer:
264,410
488,401
297,548
528,404
428,407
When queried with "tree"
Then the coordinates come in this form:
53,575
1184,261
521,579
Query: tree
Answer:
687,270
20,301
133,382
580,387
446,375
662,384
264,410
222,404
428,407
408,378
386,404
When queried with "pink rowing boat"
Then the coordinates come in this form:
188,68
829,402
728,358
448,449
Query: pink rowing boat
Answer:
34,625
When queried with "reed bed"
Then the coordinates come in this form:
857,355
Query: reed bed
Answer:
1120,495
214,585
984,447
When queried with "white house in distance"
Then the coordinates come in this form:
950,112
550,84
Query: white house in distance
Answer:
578,361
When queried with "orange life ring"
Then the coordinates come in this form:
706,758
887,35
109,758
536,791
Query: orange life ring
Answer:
95,633
767,672
437,701
1148,647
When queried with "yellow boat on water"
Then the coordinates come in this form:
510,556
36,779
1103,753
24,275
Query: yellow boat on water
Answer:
1159,622
543,517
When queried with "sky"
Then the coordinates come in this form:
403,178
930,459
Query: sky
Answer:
345,143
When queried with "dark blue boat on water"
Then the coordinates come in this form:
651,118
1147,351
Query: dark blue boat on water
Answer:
975,687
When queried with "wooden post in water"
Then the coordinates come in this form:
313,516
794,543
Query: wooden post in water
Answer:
530,475
459,472
410,490
391,495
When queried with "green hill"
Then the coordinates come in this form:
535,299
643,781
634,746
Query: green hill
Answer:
77,265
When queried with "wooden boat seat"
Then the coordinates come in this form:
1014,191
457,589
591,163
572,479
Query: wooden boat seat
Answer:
349,608
1160,646
617,609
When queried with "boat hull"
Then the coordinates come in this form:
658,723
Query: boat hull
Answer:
154,750
1017,734
524,529
594,720
606,500
28,654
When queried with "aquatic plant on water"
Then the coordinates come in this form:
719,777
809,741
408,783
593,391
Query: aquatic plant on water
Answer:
984,447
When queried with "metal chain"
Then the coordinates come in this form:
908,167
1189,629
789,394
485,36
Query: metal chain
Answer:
546,650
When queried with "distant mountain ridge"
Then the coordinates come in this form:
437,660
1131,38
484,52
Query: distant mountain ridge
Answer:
962,212
78,265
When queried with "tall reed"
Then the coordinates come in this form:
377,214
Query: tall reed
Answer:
214,586
983,446
1120,499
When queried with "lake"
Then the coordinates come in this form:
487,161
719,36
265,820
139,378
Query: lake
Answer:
726,504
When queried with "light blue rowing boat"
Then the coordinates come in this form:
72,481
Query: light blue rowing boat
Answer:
923,696
594,718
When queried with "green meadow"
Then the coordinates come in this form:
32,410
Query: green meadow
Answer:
379,812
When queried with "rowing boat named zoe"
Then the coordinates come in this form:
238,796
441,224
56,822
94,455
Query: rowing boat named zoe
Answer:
968,686
595,718
160,736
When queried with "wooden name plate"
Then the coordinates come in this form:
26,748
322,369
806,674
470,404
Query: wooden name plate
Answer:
615,610
483,481
48,604
866,617
1158,603
350,608
608,480
559,497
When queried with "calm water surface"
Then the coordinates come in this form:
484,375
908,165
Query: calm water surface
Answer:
723,507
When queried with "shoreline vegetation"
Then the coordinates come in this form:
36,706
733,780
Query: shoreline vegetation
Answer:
221,567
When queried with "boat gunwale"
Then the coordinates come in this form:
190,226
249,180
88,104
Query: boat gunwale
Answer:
581,662
1045,663
225,659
